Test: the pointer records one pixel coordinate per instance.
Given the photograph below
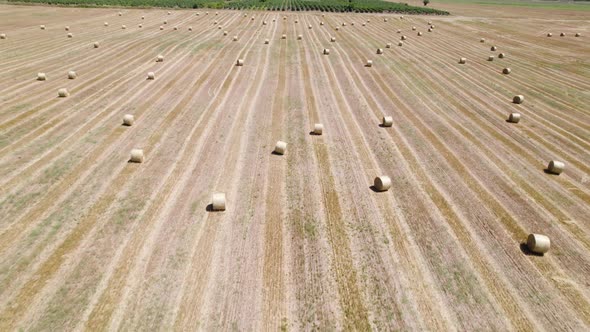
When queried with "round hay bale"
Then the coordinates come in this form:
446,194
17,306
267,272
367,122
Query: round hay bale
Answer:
216,13
175,28
106,24
309,26
225,33
578,34
169,13
429,23
401,17
252,19
385,20
399,31
299,37
41,77
323,15
137,156
400,44
413,28
351,23
501,55
198,14
462,61
388,45
419,33
432,26
562,34
318,129
128,120
491,58
240,62
245,15
140,26
483,40
274,19
42,27
404,38
555,167
151,75
214,22
506,71
280,148
263,22
538,243
123,27
549,34
514,117
143,17
266,41
369,63
218,202
2,36
160,58
72,74
382,183
379,51
387,121
219,27
321,23
333,39
70,35
235,38
337,29
493,48
429,29
368,21
296,21
284,18
364,24
67,28
343,24
284,37
161,27
518,99
165,21
63,92
206,13
326,51
96,44
120,14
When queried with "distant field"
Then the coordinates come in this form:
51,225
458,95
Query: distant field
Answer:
576,5
359,6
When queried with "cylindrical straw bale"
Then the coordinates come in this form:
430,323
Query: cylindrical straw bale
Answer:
299,37
538,243
387,121
369,63
578,34
379,51
462,60
266,41
549,34
333,39
70,35
72,74
284,37
2,36
106,24
555,167
235,38
280,148
404,38
326,51
382,183
318,129
483,40
218,202
506,71
123,27
491,58
137,156
240,62
41,77
62,93
151,75
419,33
67,28
42,27
518,99
502,55
514,117
128,120
388,45
96,44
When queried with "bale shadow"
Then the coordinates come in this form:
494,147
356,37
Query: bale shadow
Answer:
209,208
312,133
276,153
547,171
384,126
525,250
374,189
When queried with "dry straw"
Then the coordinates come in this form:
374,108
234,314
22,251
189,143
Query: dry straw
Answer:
240,62
280,148
128,120
538,243
501,55
318,129
379,51
369,63
218,202
462,60
518,99
387,121
72,74
2,36
326,51
160,58
137,156
62,93
41,77
382,183
106,24
514,117
555,167
70,35
151,75
506,71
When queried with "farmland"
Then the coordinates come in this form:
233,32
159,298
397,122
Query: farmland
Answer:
92,241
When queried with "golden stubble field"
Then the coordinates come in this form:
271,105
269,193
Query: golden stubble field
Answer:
89,241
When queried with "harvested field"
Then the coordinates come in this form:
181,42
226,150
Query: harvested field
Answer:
92,241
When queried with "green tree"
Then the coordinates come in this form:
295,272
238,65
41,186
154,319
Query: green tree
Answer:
426,2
